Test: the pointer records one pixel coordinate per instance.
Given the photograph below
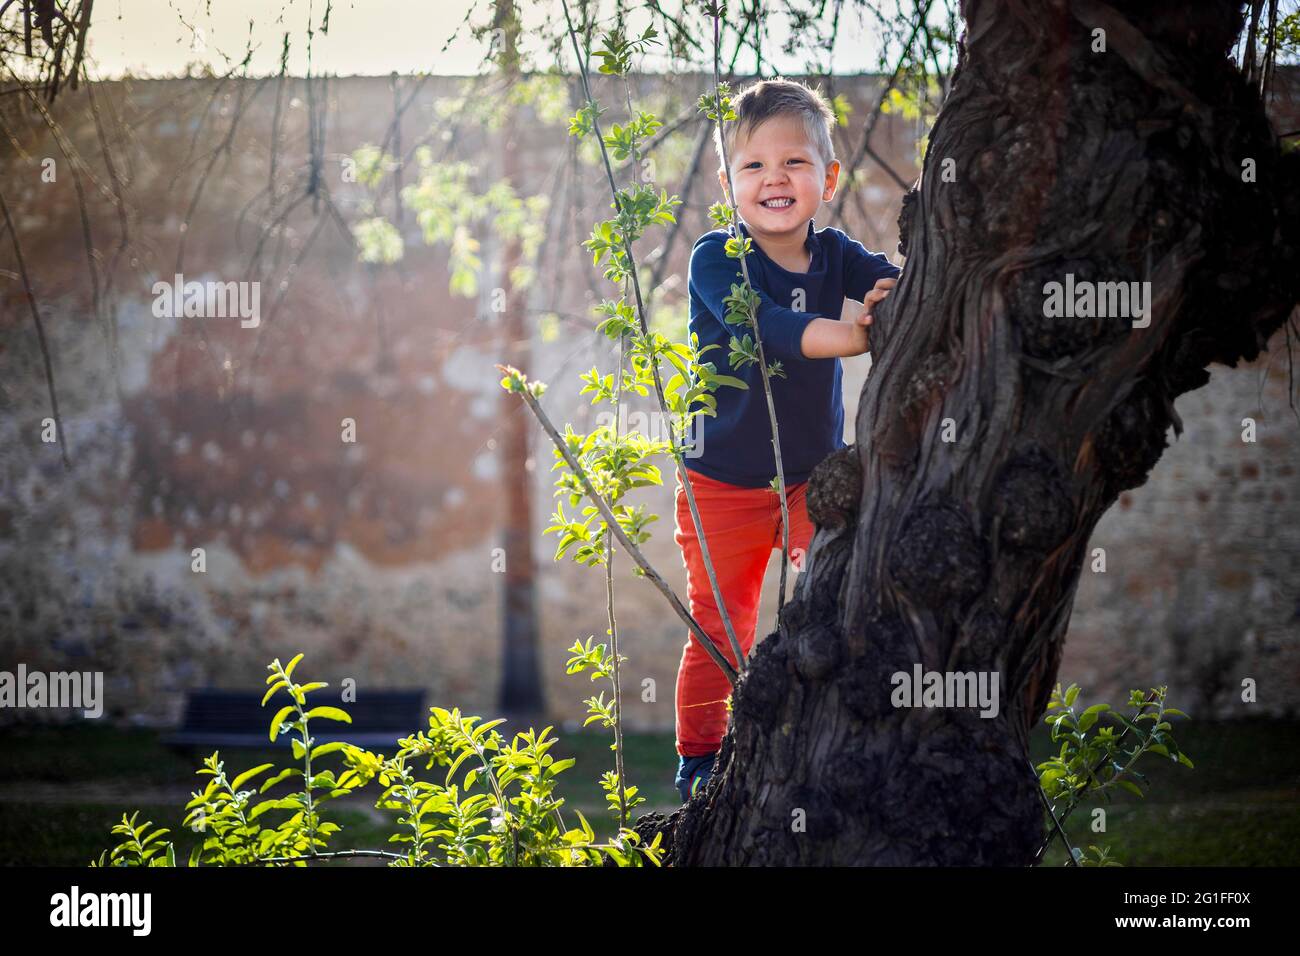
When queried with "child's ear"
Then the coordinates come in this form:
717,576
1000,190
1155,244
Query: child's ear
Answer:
832,179
722,181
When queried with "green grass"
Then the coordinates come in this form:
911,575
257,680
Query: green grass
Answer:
87,759
1237,807
90,751
73,834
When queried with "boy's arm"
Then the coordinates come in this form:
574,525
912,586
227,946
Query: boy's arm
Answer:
868,277
824,338
712,273
833,338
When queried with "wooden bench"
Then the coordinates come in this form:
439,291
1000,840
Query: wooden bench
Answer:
236,718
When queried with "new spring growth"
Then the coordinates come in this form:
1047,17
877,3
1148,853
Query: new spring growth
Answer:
516,382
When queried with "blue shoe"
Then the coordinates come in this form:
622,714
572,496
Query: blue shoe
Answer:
693,774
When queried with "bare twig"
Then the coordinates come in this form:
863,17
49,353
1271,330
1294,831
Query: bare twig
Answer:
660,256
1057,829
40,333
77,166
609,610
124,233
864,146
222,147
611,522
333,855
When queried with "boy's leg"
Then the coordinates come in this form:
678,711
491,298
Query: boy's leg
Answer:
737,523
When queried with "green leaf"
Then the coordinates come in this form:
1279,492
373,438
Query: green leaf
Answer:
284,803
282,713
282,775
455,765
248,775
1132,727
1130,786
288,671
329,748
330,713
1089,716
729,380
677,363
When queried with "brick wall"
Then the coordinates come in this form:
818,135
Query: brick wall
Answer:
376,558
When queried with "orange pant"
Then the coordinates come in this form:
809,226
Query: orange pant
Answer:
743,527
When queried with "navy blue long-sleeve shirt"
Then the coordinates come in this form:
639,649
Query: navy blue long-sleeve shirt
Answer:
736,445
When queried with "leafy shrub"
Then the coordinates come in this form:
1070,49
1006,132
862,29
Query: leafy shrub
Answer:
494,806
1094,760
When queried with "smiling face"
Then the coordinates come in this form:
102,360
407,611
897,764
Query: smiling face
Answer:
779,181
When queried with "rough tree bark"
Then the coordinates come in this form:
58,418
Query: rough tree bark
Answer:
1124,165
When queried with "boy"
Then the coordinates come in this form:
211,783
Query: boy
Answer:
783,167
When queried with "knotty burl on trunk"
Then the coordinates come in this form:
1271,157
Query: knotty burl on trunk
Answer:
1123,165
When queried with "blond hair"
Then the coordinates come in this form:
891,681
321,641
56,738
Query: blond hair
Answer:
766,99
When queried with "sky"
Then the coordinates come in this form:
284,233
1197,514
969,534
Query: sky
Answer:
370,37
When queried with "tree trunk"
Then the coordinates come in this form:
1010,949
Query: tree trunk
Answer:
521,681
958,544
